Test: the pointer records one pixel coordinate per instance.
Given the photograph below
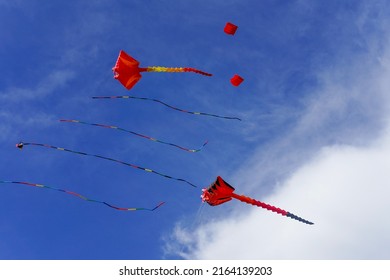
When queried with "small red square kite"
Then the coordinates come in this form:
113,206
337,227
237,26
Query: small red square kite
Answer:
230,28
236,80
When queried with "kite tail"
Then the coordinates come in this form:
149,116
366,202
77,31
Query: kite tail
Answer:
173,69
22,144
167,105
292,216
270,208
138,134
189,69
82,197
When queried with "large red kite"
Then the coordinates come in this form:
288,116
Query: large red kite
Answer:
220,192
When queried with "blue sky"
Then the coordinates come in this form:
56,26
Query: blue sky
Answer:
314,139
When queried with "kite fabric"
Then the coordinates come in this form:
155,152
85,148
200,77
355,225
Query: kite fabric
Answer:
82,197
236,80
165,104
20,145
230,28
128,72
220,192
138,134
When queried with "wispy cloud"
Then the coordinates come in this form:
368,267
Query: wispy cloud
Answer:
49,84
18,113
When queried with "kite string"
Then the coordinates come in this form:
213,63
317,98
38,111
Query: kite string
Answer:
198,216
83,197
22,144
191,228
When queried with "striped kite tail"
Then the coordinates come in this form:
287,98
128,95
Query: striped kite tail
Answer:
20,145
188,69
167,105
270,208
83,197
174,70
292,216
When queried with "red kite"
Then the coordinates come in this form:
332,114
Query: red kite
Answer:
220,192
230,28
236,80
127,70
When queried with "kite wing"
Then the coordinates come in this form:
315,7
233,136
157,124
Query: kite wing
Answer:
220,192
126,70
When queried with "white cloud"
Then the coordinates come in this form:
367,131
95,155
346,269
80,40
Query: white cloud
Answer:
344,190
332,168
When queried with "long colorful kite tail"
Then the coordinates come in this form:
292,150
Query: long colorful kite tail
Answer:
138,134
174,70
83,197
269,207
22,144
165,104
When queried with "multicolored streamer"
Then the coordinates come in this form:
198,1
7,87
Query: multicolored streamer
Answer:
82,197
138,134
173,70
22,144
167,105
